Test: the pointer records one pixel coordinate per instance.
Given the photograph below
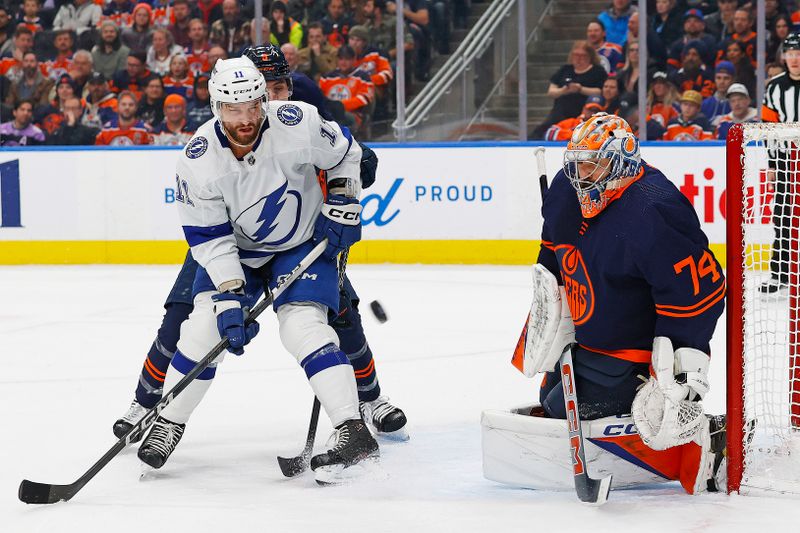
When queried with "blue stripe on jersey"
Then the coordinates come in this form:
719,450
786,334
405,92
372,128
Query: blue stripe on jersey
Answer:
326,357
349,137
199,234
184,365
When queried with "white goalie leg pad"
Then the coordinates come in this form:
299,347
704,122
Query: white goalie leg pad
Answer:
304,328
663,415
549,327
198,335
533,452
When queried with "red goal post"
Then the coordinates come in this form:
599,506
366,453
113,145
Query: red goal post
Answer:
763,359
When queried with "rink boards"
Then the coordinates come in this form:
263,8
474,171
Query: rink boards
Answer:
468,203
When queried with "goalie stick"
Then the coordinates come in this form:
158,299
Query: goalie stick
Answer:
593,491
33,492
294,466
589,490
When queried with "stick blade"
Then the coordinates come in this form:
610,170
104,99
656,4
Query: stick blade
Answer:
292,466
595,492
33,492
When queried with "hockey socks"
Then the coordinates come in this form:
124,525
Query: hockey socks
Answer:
185,403
366,377
151,380
331,377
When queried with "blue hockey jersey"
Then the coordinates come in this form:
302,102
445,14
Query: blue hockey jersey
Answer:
642,268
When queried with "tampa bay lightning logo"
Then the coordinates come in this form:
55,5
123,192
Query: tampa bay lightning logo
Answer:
290,114
272,220
197,147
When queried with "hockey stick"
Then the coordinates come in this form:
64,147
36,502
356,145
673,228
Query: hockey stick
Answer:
33,492
540,166
294,466
589,490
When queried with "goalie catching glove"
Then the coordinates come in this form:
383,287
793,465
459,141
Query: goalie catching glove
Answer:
549,327
667,409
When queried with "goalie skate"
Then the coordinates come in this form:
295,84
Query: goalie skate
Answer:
160,442
384,419
353,452
131,417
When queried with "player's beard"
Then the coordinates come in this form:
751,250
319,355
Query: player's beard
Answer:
242,138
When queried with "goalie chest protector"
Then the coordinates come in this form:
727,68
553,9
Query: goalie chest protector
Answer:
641,268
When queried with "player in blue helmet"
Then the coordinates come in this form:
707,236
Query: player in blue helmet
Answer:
383,418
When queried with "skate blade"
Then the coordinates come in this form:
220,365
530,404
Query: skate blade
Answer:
401,435
369,468
147,472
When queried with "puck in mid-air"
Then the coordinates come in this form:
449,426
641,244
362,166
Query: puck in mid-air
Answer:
377,310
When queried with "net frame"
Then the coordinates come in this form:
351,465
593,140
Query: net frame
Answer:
763,448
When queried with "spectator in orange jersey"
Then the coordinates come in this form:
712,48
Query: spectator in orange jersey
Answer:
562,131
319,56
126,129
180,79
70,130
101,104
690,125
163,13
11,66
62,63
350,87
32,86
174,130
180,27
368,59
133,77
197,51
693,75
109,55
29,16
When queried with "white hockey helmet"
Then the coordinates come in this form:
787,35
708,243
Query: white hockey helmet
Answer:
236,80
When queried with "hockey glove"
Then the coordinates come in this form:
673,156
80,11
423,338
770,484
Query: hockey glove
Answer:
230,312
665,409
340,222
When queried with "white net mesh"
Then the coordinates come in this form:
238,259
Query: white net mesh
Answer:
771,395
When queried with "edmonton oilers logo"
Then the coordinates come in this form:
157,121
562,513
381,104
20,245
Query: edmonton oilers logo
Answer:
577,285
196,148
290,114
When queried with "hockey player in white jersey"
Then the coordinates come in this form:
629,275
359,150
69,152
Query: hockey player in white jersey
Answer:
251,208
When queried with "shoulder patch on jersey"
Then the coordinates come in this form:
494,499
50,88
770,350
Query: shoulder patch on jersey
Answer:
197,147
290,114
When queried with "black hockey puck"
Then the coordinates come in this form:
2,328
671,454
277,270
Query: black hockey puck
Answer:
377,310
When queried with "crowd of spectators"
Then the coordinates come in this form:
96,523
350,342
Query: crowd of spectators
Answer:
115,72
701,67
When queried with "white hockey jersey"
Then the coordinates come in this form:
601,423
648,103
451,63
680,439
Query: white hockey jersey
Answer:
243,211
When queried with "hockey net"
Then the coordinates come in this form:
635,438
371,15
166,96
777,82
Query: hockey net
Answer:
763,188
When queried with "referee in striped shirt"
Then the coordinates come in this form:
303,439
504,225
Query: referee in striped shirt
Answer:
782,104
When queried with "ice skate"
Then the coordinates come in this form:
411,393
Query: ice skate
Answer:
718,480
384,419
134,413
772,286
353,452
160,442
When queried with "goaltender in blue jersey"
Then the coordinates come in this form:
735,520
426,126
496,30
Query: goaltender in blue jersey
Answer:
641,293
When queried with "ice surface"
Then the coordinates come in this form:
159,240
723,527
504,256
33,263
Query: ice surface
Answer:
73,342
